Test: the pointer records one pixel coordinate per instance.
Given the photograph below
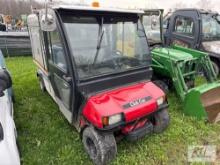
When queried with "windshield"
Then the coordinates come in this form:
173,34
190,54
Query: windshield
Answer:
211,27
106,44
151,22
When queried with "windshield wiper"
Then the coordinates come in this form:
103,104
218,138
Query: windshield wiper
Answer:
215,16
101,34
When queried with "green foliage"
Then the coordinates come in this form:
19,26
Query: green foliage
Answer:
45,137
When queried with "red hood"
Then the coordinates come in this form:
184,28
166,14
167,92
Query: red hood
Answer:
122,100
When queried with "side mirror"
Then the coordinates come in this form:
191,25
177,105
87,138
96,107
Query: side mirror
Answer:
5,81
47,20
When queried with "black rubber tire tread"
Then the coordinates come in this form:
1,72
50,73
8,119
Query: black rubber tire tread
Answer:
105,144
162,85
161,121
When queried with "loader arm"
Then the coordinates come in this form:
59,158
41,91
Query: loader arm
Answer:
204,61
177,70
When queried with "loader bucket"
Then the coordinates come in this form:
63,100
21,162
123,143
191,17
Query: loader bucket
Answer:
203,102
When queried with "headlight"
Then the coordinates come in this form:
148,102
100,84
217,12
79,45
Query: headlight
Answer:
110,120
160,101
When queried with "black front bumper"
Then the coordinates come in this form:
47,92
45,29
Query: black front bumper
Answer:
137,134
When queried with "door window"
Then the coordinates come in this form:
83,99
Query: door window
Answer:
184,25
62,88
57,52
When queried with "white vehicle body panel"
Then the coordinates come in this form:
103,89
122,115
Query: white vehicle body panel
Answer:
90,8
9,154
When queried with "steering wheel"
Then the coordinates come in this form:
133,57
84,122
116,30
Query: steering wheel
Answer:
118,59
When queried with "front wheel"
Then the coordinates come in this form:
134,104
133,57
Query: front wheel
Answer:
161,121
162,85
101,147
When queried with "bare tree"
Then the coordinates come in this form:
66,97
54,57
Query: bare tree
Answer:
17,7
205,4
179,5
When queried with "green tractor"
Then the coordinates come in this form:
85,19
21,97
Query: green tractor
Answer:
178,67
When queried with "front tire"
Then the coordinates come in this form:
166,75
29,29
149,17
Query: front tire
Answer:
161,121
100,147
162,85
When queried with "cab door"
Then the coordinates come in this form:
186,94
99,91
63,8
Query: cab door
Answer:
184,29
60,77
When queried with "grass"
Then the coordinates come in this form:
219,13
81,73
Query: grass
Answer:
45,137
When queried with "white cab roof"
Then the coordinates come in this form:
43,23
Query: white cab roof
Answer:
90,8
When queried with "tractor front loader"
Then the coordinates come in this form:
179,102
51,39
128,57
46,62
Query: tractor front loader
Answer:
179,67
182,66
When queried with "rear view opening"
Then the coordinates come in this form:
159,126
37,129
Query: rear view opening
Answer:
211,103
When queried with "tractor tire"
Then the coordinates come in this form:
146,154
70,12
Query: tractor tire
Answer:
162,85
42,85
216,67
101,148
161,121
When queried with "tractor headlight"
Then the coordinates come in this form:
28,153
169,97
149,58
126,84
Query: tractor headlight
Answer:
110,120
160,101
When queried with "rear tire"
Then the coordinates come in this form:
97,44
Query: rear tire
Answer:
42,85
101,148
161,121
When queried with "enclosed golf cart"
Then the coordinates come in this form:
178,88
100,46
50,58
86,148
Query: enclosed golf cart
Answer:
197,29
9,154
179,67
95,64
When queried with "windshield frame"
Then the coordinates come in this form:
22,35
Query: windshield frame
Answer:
100,14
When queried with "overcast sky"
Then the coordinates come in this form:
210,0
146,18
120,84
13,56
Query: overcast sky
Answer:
164,4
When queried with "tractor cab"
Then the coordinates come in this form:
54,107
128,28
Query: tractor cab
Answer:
96,65
180,67
197,29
